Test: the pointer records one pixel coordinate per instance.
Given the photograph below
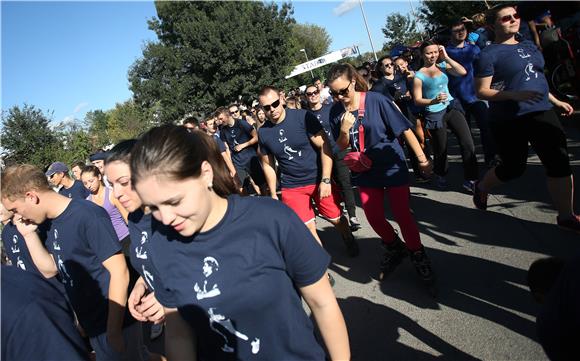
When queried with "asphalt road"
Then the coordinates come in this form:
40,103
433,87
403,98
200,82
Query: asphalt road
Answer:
484,309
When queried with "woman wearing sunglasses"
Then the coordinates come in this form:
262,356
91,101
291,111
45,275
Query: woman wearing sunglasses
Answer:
509,74
382,124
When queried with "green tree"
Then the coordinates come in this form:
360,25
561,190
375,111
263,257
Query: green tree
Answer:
97,123
400,29
435,14
73,142
127,121
315,40
27,137
209,53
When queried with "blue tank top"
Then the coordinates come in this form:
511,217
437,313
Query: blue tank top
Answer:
433,86
116,218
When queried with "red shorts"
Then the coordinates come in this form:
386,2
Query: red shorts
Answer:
300,200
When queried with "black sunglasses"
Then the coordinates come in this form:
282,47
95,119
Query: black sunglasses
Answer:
274,105
506,18
344,92
234,111
387,65
313,93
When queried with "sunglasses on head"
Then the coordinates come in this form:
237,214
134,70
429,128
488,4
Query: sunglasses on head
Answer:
274,105
506,18
344,92
312,93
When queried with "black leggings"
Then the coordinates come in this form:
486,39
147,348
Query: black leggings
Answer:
455,120
341,175
543,131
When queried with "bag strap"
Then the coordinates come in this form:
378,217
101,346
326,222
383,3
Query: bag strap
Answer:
361,114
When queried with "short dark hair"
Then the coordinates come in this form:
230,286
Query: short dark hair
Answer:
191,120
268,88
78,163
491,14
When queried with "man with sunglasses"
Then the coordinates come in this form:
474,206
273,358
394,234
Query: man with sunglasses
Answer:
241,139
234,111
57,175
462,88
297,141
340,172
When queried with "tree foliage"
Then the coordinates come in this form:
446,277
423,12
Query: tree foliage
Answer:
26,136
209,53
435,14
400,29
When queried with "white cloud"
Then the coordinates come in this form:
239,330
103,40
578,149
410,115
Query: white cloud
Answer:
80,106
344,7
68,118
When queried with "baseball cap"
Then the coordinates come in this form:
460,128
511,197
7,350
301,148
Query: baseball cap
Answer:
56,167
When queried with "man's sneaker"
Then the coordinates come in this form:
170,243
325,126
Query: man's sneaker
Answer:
422,265
571,224
351,245
354,224
469,186
440,182
479,197
394,254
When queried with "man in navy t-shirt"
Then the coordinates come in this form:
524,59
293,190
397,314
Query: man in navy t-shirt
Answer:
462,88
296,140
241,138
37,322
82,248
58,176
340,172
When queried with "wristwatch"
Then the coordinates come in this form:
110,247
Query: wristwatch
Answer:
325,180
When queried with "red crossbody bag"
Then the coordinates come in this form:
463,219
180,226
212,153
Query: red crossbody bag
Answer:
358,161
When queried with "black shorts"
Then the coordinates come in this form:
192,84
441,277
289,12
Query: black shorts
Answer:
252,169
543,131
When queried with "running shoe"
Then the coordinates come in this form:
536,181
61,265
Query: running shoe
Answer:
571,224
479,197
440,182
422,265
354,224
351,245
469,186
394,254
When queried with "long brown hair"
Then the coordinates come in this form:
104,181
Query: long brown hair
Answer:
174,152
350,72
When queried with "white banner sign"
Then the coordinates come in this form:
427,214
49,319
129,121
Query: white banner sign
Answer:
324,60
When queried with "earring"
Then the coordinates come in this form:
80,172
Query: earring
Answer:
210,187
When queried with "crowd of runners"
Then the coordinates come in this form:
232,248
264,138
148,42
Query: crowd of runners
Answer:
207,229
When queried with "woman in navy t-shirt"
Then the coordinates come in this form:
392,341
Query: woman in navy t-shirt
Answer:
430,91
232,268
510,75
382,123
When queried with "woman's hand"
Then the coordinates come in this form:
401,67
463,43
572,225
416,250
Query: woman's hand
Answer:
566,108
443,52
347,122
426,168
138,292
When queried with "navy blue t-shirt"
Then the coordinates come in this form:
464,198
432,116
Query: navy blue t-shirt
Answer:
289,141
16,249
322,115
463,87
37,322
382,123
514,67
220,143
236,284
77,191
239,133
140,232
391,87
80,239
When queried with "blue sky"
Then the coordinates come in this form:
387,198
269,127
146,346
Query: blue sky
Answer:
72,57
